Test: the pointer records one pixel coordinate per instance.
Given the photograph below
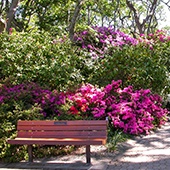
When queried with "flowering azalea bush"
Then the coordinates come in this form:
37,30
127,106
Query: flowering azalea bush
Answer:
98,56
86,102
133,111
142,62
29,94
26,101
99,40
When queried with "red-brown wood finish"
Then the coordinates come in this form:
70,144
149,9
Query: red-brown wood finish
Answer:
89,132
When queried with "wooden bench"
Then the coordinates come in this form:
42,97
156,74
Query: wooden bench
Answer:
88,132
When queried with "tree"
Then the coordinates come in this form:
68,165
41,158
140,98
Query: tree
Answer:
11,12
149,18
135,16
138,16
9,9
30,13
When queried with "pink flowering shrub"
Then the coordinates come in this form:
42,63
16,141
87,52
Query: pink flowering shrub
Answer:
134,111
26,101
98,56
87,102
159,36
29,94
100,41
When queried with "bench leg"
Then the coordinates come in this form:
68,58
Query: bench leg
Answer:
88,154
30,153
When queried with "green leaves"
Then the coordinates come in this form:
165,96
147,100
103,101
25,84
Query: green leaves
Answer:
39,57
54,61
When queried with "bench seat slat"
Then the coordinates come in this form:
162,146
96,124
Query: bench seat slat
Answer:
59,123
56,141
77,128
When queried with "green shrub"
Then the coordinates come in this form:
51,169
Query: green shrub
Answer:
38,57
99,56
142,63
8,121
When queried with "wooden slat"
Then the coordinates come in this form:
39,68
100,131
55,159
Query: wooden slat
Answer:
90,132
56,141
49,123
64,134
60,137
59,128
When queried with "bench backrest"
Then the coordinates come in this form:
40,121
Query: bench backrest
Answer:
88,129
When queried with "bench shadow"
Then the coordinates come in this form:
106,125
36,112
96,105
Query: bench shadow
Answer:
45,165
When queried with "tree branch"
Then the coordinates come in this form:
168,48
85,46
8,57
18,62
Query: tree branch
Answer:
136,16
166,3
150,16
141,26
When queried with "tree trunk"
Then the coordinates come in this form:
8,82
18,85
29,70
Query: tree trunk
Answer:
73,20
136,16
10,13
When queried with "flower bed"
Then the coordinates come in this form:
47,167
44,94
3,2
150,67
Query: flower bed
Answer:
133,111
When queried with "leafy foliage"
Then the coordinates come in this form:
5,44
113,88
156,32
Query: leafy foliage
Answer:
38,57
142,63
46,77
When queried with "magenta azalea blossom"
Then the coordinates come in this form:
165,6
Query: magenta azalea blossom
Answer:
132,111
